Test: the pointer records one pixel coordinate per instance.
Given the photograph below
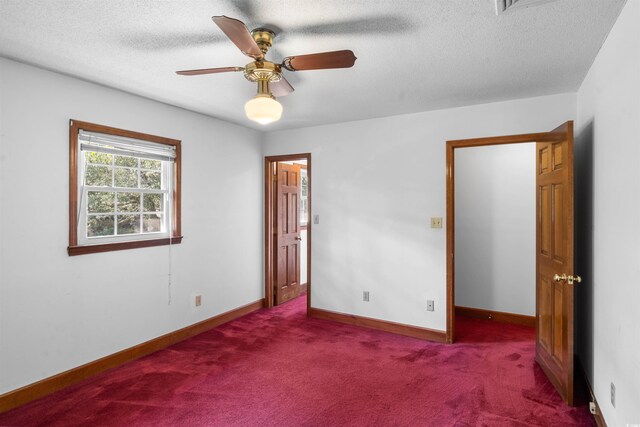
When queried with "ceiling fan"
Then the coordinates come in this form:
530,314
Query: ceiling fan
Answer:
264,108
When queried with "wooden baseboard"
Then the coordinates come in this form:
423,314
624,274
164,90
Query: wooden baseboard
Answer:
579,371
598,415
64,379
381,325
497,316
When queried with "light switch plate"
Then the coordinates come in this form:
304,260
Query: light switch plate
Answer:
316,219
436,222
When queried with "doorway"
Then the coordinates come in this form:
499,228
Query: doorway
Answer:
555,280
495,233
287,211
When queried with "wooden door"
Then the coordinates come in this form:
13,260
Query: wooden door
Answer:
554,249
287,241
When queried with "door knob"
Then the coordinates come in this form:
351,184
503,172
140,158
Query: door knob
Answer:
298,238
569,278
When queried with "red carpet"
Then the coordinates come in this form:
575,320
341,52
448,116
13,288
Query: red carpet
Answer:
278,368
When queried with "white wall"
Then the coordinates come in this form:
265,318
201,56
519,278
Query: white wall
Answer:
374,230
608,206
58,312
495,230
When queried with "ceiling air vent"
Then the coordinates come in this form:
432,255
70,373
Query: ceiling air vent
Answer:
503,6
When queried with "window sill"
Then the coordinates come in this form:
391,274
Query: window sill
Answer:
108,247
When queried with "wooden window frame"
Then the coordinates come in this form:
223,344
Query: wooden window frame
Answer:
175,236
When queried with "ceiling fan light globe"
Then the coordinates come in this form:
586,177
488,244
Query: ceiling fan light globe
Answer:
263,109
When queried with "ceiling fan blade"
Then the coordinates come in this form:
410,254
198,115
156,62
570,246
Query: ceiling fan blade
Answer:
320,61
209,71
281,87
239,35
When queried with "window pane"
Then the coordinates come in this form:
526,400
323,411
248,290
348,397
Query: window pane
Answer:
128,224
98,176
100,201
152,202
152,222
150,164
304,189
126,161
126,178
304,213
150,180
101,158
100,225
128,202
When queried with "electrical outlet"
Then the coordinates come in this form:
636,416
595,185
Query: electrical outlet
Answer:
430,305
613,395
436,222
365,296
198,300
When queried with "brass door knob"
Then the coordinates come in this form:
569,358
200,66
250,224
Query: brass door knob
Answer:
298,238
571,279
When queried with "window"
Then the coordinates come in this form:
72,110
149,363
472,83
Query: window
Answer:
304,198
124,189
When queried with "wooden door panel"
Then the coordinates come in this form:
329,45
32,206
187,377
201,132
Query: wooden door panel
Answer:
558,323
554,301
558,236
283,255
292,209
544,317
284,230
287,268
545,221
557,156
292,264
544,161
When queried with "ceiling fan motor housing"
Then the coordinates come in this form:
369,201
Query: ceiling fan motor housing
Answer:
262,70
264,38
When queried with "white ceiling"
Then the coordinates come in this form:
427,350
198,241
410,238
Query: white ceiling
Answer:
412,55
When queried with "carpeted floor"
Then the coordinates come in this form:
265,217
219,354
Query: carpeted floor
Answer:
278,368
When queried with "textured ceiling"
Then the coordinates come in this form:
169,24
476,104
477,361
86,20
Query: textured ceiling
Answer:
412,55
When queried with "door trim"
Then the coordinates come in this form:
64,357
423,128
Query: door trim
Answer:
450,219
268,221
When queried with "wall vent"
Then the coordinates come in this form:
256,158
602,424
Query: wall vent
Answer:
503,6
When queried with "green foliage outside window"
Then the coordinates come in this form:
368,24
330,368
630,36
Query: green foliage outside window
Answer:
123,212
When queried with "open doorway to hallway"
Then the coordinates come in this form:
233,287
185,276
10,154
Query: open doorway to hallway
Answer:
287,228
495,239
555,278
